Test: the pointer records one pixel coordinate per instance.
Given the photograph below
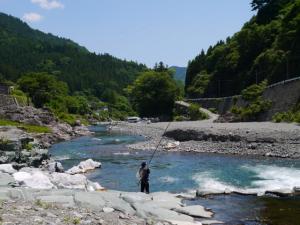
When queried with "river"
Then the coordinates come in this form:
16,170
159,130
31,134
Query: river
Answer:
186,172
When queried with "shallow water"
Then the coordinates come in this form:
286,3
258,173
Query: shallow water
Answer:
184,172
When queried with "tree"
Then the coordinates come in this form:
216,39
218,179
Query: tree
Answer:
42,87
160,67
153,94
259,4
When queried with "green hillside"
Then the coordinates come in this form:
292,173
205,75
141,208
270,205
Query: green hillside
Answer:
267,47
63,76
23,50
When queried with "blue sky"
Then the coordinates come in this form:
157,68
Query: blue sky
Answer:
147,31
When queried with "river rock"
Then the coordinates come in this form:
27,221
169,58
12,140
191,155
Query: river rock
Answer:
194,211
108,210
63,180
204,192
6,179
280,192
84,166
91,200
114,200
55,167
7,168
147,211
81,130
37,180
94,186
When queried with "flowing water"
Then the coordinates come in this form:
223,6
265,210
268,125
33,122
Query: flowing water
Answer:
186,172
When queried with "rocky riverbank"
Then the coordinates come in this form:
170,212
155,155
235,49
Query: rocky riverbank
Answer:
106,207
35,189
257,138
30,149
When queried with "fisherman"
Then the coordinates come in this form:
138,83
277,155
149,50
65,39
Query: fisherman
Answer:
144,172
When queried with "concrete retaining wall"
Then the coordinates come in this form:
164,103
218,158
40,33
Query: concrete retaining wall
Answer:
284,95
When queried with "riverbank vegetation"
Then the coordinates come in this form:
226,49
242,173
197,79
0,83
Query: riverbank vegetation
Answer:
292,115
59,74
267,47
26,127
254,103
154,92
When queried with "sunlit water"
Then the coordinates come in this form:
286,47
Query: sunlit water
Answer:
183,172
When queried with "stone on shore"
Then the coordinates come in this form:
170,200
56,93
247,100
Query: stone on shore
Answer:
66,201
6,179
204,192
108,210
63,180
146,211
280,192
55,167
91,200
37,180
84,167
194,211
7,168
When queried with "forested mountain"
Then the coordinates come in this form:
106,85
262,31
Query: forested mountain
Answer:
180,73
267,47
23,50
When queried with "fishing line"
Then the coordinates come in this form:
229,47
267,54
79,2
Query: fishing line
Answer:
158,144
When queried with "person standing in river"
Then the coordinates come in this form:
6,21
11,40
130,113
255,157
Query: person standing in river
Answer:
144,172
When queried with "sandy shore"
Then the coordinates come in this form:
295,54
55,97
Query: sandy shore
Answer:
255,138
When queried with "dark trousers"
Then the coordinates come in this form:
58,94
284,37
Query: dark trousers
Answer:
145,186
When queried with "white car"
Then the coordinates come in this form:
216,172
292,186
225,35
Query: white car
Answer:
133,119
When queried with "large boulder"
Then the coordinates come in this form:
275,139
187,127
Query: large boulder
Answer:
63,180
91,200
84,167
55,167
7,168
37,180
155,212
6,179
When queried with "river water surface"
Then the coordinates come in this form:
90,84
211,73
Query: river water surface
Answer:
186,172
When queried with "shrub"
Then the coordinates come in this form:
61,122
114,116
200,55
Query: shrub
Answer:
292,115
196,114
255,103
213,110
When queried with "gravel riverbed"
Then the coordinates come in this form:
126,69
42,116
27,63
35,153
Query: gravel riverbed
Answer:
248,138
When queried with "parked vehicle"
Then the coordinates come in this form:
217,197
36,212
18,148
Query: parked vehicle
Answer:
133,119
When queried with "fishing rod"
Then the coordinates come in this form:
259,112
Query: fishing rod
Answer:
149,162
158,143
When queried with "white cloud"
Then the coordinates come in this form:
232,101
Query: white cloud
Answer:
32,17
49,4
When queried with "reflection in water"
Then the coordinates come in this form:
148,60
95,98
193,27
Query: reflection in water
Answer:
279,211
